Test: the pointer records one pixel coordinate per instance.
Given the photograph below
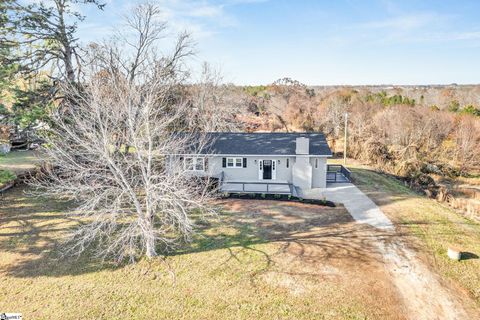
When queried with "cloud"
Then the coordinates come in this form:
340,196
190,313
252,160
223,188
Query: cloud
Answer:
407,22
238,2
201,18
413,28
404,28
207,11
469,35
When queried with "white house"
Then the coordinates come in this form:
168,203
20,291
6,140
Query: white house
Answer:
263,162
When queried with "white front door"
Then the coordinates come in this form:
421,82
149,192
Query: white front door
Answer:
267,170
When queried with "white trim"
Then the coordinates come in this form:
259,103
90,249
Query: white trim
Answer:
194,164
250,155
234,159
260,169
273,168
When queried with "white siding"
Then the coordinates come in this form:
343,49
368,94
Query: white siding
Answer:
250,173
283,174
319,172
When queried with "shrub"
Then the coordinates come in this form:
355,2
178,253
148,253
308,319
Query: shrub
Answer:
470,109
6,176
454,106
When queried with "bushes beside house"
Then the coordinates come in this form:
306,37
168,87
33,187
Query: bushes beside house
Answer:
277,197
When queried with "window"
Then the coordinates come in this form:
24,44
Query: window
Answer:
189,164
236,162
200,164
194,164
288,162
316,163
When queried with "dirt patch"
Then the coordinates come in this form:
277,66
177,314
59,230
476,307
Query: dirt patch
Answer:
423,292
324,251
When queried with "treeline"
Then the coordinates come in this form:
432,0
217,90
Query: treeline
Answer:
393,133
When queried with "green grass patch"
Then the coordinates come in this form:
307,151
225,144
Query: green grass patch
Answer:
6,176
19,161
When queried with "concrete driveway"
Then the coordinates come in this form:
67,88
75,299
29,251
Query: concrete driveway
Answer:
358,204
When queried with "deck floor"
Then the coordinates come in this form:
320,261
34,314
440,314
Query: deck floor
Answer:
336,177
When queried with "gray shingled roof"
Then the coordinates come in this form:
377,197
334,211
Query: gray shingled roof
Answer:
259,143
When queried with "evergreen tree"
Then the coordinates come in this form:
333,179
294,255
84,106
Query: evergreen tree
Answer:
43,34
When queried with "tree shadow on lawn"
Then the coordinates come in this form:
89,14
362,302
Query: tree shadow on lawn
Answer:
310,233
33,229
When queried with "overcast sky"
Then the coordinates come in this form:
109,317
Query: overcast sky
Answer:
323,42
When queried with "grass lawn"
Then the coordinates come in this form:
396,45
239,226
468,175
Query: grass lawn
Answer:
258,259
261,259
6,176
19,161
430,226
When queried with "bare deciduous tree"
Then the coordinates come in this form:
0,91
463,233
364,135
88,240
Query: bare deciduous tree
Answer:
467,143
213,105
111,152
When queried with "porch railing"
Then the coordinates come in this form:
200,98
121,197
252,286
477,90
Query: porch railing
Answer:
270,187
338,173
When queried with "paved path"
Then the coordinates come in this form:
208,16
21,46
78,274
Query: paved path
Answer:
360,206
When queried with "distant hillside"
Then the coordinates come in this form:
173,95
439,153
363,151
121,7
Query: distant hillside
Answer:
442,96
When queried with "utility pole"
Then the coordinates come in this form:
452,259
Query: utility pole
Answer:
345,142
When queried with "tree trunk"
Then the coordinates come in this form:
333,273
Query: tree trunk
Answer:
69,64
67,48
334,145
149,237
150,248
